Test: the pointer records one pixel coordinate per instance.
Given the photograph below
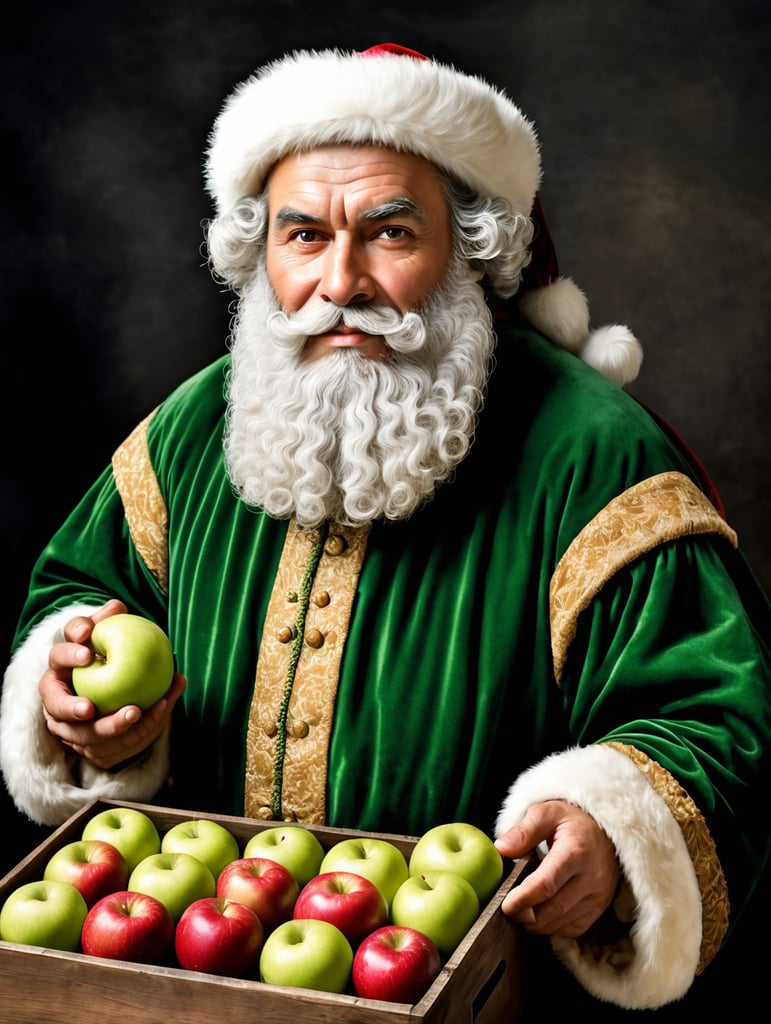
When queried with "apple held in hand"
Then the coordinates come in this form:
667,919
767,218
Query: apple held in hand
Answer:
395,963
307,954
93,866
128,829
463,849
440,904
44,913
176,879
218,936
207,840
266,886
133,664
128,926
297,848
350,902
376,859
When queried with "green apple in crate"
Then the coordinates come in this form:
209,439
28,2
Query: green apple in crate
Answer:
133,663
297,848
44,913
463,849
376,859
176,879
307,954
440,904
132,831
205,839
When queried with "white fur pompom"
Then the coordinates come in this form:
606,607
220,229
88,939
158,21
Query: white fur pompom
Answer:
615,352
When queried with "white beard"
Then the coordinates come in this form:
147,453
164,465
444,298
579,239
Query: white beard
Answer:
345,438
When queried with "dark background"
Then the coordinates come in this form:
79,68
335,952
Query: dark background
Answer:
654,125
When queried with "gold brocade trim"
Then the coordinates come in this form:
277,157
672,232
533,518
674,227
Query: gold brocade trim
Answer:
701,847
300,691
144,507
653,512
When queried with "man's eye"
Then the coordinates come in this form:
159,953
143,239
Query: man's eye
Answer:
393,233
305,235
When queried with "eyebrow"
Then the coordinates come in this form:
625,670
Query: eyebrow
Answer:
398,207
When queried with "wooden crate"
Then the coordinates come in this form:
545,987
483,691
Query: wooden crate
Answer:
480,982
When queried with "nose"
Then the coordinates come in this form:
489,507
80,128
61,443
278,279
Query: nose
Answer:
346,276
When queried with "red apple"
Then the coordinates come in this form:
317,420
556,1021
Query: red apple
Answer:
93,866
128,926
266,886
350,902
219,936
395,963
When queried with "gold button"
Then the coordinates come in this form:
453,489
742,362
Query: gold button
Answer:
314,638
265,813
335,544
299,729
285,635
322,599
270,728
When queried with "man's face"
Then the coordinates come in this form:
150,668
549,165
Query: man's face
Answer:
355,225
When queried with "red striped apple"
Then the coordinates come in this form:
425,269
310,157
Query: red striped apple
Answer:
350,902
395,963
93,866
218,936
128,926
266,886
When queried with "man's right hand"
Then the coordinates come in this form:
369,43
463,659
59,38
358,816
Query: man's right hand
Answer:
105,740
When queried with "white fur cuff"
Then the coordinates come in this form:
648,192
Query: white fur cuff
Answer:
36,766
666,934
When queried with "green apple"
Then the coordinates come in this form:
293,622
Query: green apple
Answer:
376,859
307,954
463,849
133,664
440,904
207,840
297,848
176,879
128,829
45,913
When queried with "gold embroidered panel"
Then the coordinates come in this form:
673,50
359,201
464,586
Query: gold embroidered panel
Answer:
290,719
651,513
145,509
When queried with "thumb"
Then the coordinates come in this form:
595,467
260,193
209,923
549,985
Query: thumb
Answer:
535,828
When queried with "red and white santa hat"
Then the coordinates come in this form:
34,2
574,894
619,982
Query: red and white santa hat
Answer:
392,96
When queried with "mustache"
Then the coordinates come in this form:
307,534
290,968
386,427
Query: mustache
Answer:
402,332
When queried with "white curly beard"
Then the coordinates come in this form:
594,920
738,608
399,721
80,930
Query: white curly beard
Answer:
346,438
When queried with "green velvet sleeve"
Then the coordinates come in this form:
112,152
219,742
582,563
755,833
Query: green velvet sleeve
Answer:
668,660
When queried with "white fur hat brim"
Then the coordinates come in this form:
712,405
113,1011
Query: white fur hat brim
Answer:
315,98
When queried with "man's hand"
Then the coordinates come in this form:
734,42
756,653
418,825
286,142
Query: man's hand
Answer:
110,739
576,880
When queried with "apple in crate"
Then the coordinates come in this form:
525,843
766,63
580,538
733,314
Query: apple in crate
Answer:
266,886
218,936
307,954
128,926
463,849
297,848
440,904
128,829
350,902
176,879
376,859
44,913
395,963
133,663
93,866
207,840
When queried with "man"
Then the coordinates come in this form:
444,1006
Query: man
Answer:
418,561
